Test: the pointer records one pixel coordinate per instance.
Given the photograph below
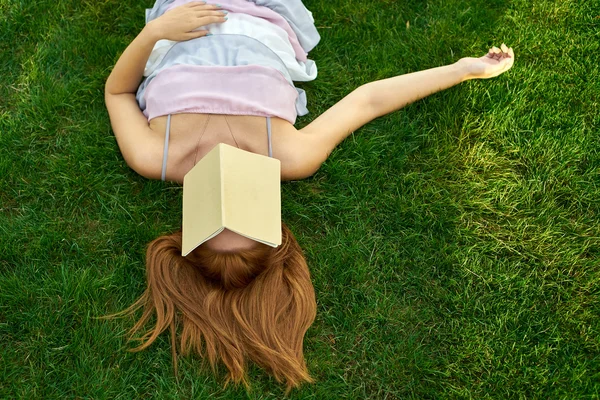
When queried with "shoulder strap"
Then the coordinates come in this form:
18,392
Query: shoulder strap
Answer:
269,136
163,174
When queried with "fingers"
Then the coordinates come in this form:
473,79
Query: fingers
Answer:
501,53
196,34
507,57
196,10
202,16
510,59
206,9
209,11
211,19
215,14
496,53
203,5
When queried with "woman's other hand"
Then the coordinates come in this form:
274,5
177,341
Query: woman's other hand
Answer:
494,63
181,23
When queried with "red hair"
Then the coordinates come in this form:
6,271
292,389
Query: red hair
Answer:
231,307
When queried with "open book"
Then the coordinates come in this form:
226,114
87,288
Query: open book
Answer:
234,189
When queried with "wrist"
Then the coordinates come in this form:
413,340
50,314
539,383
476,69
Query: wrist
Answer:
151,32
463,69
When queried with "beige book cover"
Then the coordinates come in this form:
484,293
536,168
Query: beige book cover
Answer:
234,189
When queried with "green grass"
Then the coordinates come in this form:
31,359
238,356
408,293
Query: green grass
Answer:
454,245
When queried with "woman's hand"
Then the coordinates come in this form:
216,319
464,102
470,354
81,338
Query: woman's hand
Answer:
180,23
494,63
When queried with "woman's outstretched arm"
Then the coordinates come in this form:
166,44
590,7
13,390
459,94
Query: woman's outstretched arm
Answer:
378,98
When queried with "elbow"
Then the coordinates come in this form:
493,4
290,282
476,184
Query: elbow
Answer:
113,88
307,171
371,104
302,166
299,172
109,88
144,169
142,164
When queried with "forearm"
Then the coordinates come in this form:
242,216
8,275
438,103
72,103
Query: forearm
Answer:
129,70
388,95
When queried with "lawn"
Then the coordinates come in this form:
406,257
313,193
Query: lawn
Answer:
454,245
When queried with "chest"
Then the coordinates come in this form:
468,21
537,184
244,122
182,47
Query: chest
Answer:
186,138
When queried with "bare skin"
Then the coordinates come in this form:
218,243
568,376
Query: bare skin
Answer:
193,135
301,152
230,241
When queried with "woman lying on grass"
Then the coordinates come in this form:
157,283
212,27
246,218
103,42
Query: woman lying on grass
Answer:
198,75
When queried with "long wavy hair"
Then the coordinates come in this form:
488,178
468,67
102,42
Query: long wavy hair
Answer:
230,307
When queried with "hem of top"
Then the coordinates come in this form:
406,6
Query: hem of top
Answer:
221,112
